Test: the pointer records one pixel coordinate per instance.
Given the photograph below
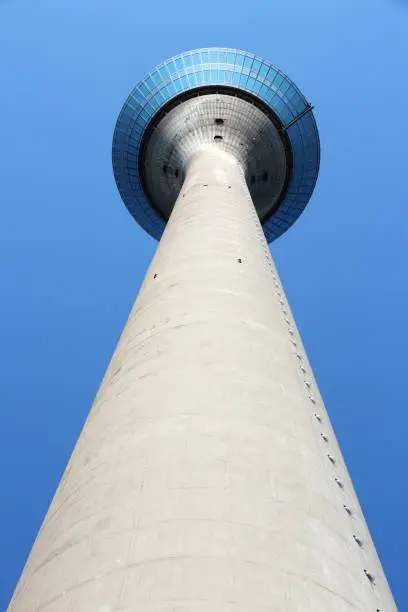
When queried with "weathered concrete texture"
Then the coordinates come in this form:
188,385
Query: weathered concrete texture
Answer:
202,480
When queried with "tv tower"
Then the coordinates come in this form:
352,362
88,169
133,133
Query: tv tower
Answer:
207,477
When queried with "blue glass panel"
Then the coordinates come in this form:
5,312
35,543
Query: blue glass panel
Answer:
278,80
235,78
138,99
204,55
285,86
163,72
263,71
162,94
231,57
228,76
157,78
177,84
250,83
171,67
221,76
171,88
223,57
192,79
179,64
213,57
248,62
150,83
188,61
257,87
154,103
207,76
196,59
239,61
144,89
264,91
184,81
165,93
199,77
271,97
214,76
255,66
272,72
242,80
286,114
297,102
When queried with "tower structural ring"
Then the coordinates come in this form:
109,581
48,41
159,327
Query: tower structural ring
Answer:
232,99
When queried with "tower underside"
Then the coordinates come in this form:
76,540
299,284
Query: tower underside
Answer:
207,477
237,124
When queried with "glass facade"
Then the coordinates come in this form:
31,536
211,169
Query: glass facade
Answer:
226,67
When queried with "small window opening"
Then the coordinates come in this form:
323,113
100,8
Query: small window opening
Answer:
347,509
339,483
219,121
318,417
176,173
358,540
324,437
239,260
265,177
252,179
217,137
369,576
331,458
154,275
165,168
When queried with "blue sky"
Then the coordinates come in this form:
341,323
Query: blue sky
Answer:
72,258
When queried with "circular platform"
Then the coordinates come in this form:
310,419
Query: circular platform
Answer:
229,97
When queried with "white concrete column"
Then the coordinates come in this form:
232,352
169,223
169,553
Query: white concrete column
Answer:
205,477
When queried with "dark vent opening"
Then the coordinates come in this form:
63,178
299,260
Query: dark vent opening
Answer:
219,121
217,137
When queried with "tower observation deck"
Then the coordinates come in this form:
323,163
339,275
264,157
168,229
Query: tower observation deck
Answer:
207,477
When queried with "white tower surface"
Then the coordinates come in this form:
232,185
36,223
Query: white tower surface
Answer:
207,477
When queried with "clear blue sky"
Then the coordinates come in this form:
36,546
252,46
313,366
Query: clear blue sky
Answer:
72,258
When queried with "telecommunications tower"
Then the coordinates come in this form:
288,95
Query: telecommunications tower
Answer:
207,477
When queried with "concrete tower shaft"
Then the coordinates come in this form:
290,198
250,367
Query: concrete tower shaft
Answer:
207,477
